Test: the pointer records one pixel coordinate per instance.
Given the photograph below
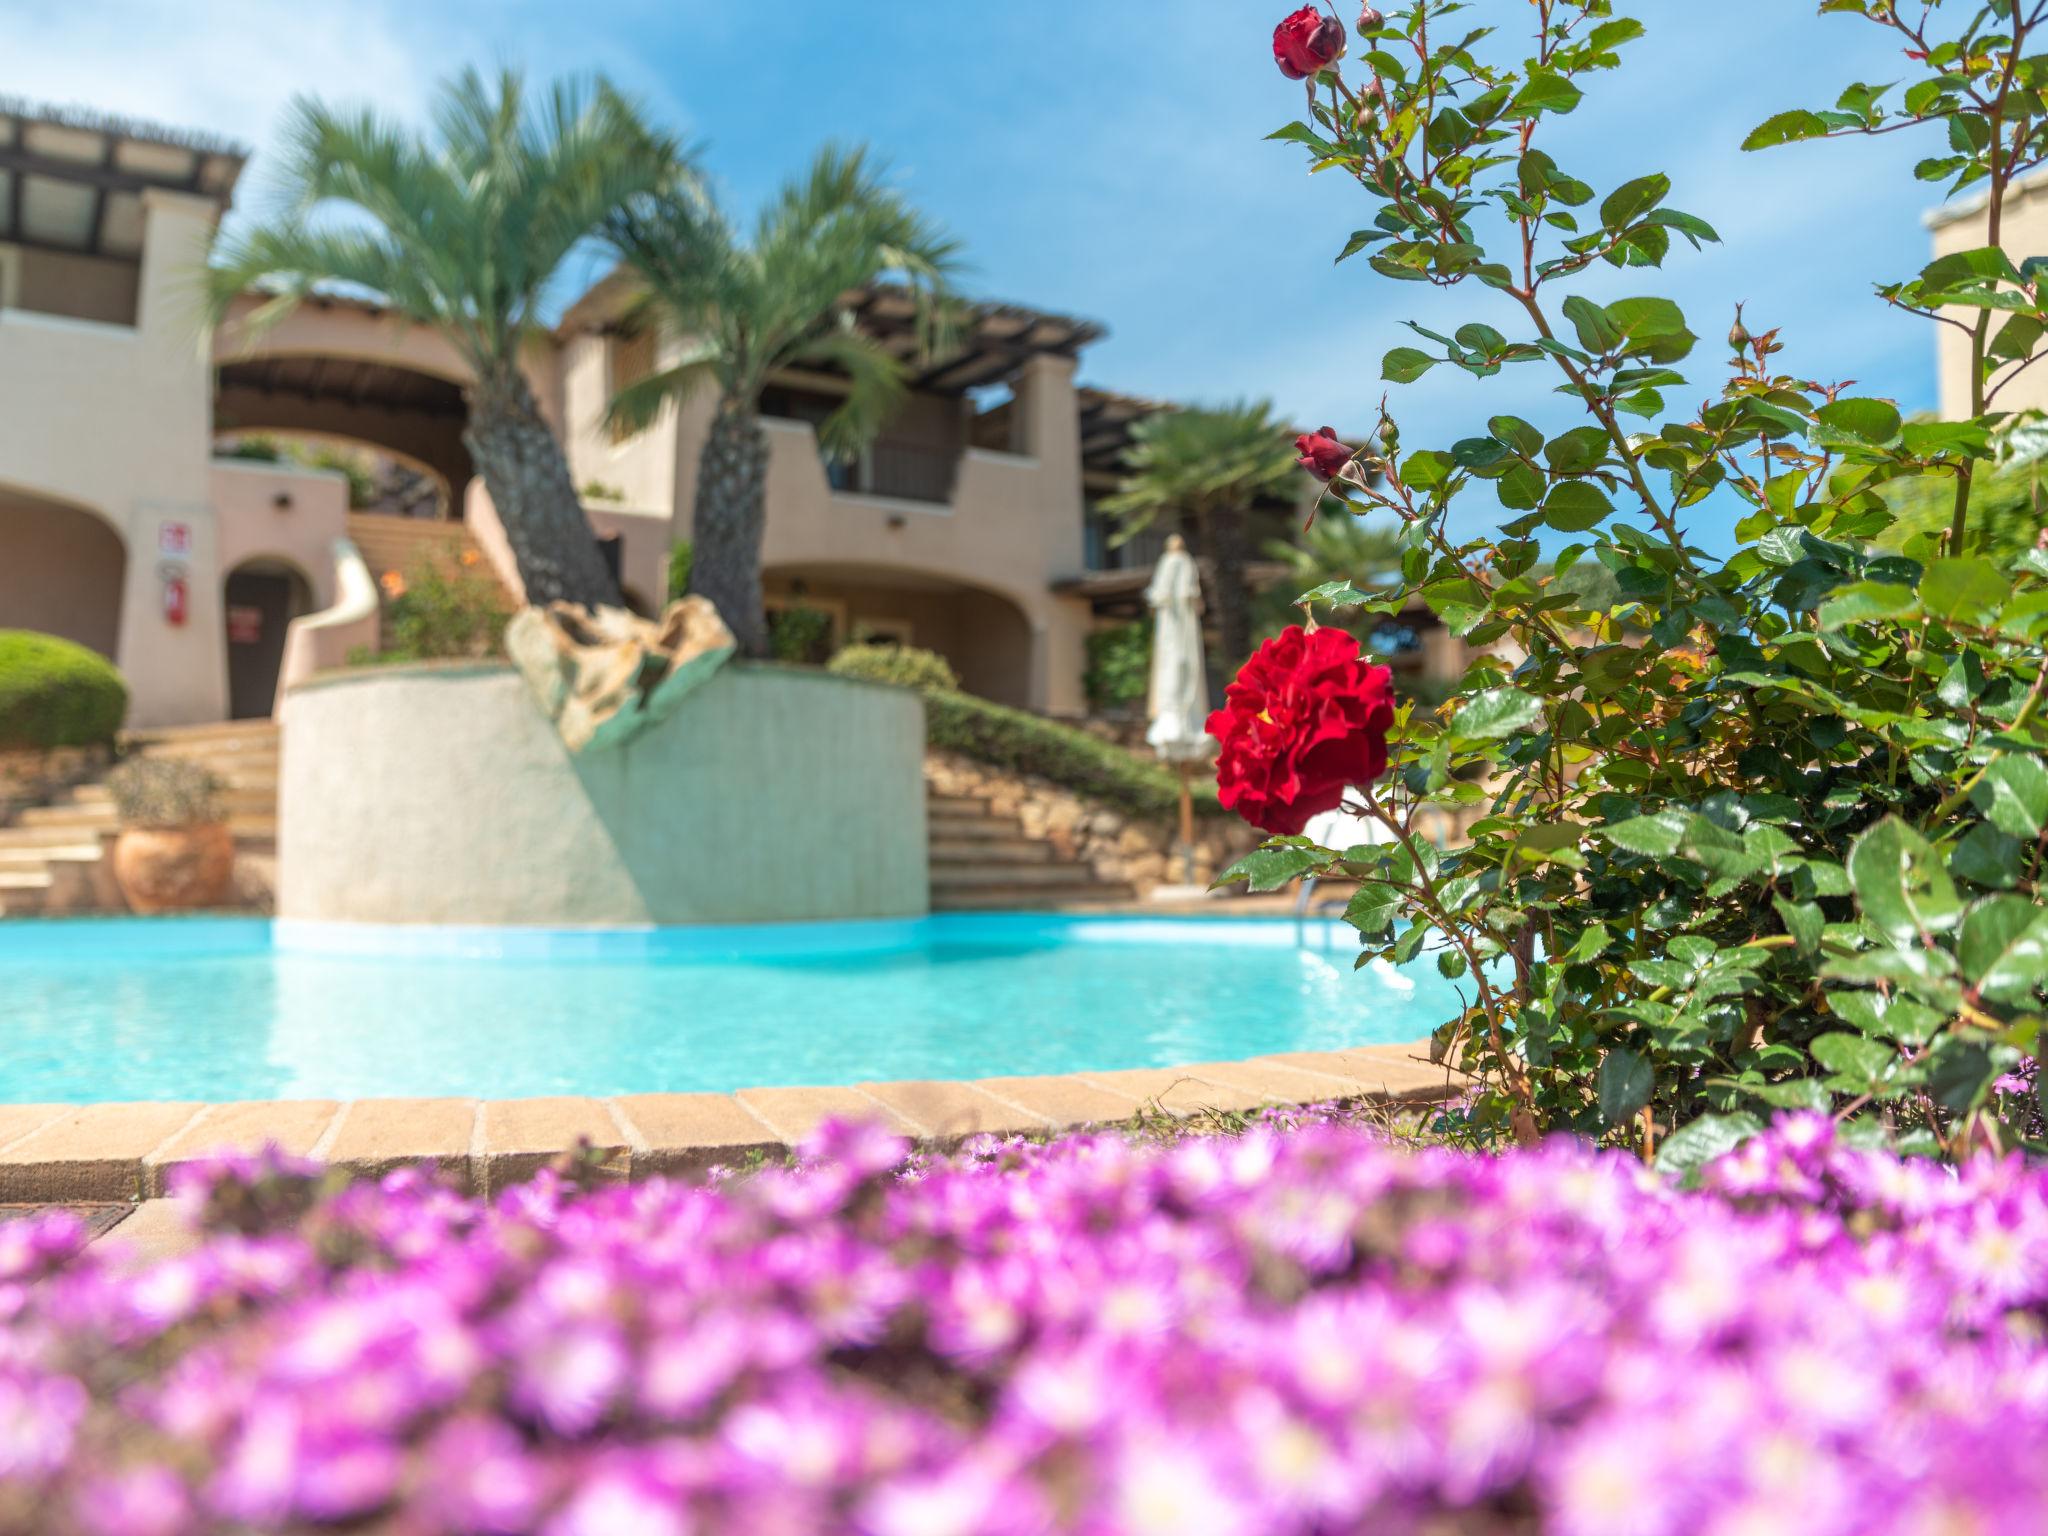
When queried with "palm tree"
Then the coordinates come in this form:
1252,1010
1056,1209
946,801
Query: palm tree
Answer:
1210,465
1336,547
462,230
744,310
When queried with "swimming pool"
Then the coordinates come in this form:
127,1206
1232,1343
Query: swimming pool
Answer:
95,1010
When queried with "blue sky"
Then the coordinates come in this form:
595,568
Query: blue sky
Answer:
1107,159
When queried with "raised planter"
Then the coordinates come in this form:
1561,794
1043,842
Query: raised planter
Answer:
440,793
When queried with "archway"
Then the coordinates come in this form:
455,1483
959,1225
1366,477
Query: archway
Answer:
413,417
983,634
63,572
259,598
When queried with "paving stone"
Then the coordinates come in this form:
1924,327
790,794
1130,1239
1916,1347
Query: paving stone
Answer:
293,1125
20,1120
378,1135
153,1231
950,1112
1386,1070
519,1137
1063,1101
90,1152
1175,1089
793,1113
683,1133
1277,1082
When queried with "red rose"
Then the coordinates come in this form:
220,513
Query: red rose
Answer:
1306,42
1305,719
1321,454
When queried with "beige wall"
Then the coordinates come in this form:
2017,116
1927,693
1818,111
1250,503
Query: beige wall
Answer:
61,572
986,637
252,526
732,809
71,283
117,419
2024,234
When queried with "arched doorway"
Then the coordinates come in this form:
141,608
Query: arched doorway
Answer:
983,634
260,597
62,572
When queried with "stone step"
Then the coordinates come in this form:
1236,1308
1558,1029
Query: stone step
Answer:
35,856
242,747
984,873
1030,897
257,825
948,816
1010,847
252,795
16,881
212,731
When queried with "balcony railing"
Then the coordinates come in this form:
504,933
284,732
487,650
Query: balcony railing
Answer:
898,470
1137,552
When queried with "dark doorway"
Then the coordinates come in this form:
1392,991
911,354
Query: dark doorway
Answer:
261,598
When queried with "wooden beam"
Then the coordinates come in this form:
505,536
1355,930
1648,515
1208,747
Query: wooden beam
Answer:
108,178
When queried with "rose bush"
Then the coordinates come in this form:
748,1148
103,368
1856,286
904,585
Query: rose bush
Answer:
1307,1331
1746,833
1305,720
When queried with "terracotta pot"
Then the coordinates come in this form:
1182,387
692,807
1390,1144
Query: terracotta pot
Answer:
174,869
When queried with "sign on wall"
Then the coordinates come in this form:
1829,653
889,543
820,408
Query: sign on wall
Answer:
245,624
174,539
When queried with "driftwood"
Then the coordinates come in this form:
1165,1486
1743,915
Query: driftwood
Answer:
603,675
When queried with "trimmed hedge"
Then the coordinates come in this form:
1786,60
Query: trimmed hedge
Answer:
54,693
1021,742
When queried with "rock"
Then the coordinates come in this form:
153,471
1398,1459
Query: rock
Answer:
604,675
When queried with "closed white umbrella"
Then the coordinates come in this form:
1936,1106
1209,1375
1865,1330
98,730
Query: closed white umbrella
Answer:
1177,708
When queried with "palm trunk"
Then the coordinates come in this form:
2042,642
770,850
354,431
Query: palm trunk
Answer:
1227,557
528,477
731,511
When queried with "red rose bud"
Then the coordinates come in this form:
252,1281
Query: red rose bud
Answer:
1305,720
1306,42
1370,20
1321,454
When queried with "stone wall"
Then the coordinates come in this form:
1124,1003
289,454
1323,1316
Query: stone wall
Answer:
30,776
1116,845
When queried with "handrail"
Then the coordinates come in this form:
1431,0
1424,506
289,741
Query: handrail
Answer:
314,642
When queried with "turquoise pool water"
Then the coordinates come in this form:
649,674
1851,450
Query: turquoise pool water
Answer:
111,1009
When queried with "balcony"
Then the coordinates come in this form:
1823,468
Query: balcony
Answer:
897,471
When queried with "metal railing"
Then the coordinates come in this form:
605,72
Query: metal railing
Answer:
900,470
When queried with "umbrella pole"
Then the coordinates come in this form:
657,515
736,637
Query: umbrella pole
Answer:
1187,823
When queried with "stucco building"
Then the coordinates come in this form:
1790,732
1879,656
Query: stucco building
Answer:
127,522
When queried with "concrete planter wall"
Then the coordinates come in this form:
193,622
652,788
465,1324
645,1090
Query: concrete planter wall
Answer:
440,794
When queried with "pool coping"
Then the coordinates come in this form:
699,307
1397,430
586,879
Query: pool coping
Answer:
87,1153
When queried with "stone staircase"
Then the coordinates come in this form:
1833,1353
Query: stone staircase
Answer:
394,547
49,854
982,860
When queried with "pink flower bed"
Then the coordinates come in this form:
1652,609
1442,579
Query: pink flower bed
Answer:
1298,1330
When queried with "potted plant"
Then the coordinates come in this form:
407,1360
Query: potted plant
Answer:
174,852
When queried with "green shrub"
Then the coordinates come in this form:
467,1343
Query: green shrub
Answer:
905,665
682,555
800,635
1119,666
447,612
164,792
54,693
1021,742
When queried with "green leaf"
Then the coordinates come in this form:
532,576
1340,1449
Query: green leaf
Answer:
1967,589
1962,1073
1655,328
1900,883
1698,1142
1404,365
1544,91
1496,712
1632,199
1804,921
2003,950
1597,333
1987,856
1517,434
1576,505
1301,133
1785,128
1372,909
2013,795
1868,1062
1338,594
1625,1083
1658,835
1267,869
1874,422
1862,602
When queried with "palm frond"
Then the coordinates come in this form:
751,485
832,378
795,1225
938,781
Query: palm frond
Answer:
638,405
1199,458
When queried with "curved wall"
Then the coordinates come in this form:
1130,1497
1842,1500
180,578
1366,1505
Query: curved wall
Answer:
441,794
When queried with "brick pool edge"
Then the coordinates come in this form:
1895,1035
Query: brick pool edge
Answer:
73,1153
